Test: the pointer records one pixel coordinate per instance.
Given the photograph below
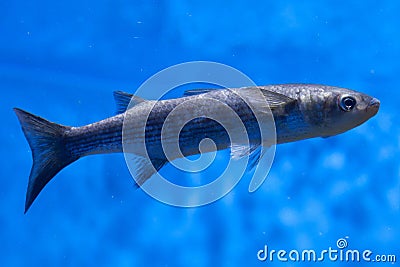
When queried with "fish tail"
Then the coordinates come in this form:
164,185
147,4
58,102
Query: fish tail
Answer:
47,142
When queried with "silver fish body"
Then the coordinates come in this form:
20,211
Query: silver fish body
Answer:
300,111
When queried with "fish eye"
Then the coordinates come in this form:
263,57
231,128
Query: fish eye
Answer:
347,103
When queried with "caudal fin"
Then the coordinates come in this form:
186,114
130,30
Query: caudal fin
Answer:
49,153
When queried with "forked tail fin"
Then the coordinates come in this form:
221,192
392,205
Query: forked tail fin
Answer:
47,142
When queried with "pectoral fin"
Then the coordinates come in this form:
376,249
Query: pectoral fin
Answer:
274,100
277,100
197,92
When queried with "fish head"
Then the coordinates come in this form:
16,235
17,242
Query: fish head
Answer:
345,109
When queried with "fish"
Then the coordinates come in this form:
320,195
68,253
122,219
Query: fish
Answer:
300,111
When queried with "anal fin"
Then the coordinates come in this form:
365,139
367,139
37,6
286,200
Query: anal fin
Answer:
143,168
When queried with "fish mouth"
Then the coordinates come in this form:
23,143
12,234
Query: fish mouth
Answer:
373,106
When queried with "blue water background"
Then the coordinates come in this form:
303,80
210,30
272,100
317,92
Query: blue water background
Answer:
63,59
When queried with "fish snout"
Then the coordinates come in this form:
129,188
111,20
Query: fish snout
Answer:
373,106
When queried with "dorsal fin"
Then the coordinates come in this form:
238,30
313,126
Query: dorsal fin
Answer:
122,99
